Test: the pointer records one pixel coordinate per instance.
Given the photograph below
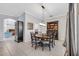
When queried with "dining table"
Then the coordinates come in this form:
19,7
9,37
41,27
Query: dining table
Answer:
44,40
42,36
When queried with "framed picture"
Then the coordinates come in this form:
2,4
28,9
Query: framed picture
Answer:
30,26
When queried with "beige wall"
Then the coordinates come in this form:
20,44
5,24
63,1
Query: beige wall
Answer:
30,18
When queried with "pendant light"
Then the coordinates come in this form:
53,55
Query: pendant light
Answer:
42,22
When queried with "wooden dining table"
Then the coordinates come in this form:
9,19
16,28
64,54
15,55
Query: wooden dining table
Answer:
42,36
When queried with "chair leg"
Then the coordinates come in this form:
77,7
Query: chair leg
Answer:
32,45
49,48
35,46
54,42
52,45
42,47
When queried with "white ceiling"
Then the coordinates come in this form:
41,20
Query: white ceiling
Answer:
15,9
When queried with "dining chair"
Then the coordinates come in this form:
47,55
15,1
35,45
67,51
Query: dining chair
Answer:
34,41
54,37
50,34
46,43
32,38
50,42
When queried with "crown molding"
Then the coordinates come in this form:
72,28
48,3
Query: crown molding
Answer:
57,17
7,15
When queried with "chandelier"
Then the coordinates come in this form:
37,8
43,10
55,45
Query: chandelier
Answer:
43,16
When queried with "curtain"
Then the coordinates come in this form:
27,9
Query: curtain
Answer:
70,32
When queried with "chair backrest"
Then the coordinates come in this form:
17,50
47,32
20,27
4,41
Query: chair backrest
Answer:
52,35
32,36
49,33
55,33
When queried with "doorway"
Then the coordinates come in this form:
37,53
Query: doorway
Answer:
19,31
9,29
